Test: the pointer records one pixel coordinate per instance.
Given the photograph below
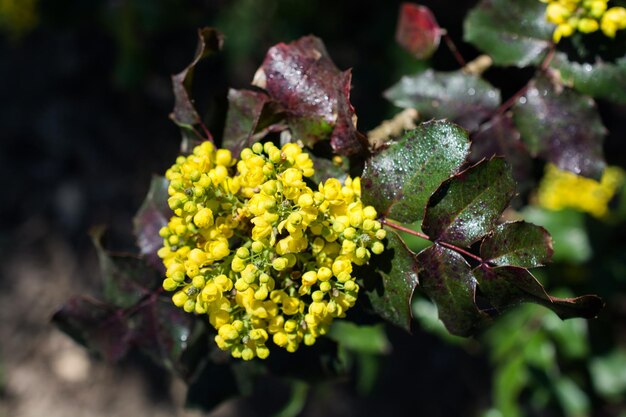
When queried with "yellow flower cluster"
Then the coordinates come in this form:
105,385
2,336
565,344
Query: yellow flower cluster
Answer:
260,252
17,17
585,16
563,189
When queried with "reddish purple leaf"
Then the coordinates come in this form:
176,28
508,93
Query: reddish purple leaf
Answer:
507,286
448,281
153,214
185,115
97,325
417,30
244,111
562,126
314,94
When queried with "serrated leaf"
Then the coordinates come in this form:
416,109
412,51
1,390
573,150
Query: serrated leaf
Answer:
399,180
507,286
244,111
417,30
99,326
466,207
517,244
463,98
567,227
185,115
447,279
500,137
601,79
360,338
561,126
164,332
389,281
511,32
314,94
153,214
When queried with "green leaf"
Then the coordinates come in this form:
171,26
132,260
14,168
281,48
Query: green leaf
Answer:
244,111
517,244
153,214
573,399
512,32
463,98
608,376
561,126
601,79
399,180
507,286
569,235
389,281
99,326
360,338
447,279
185,115
466,207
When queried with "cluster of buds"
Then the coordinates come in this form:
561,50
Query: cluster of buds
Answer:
585,16
261,253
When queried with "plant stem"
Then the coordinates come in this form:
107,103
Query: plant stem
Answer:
455,51
426,237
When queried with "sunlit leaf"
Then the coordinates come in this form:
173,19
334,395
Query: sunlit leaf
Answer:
517,244
399,180
466,207
505,287
511,32
389,281
561,126
360,338
417,30
448,280
153,214
313,93
463,98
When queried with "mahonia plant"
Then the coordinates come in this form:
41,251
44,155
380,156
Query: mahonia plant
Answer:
261,253
585,16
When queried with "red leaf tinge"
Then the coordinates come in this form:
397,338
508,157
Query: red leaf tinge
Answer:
417,30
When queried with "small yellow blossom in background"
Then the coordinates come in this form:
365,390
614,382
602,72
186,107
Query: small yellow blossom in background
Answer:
18,17
585,16
265,256
562,189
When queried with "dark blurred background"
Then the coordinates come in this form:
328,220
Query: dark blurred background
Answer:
85,96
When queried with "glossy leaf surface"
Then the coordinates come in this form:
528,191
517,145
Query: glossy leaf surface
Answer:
517,244
466,207
399,180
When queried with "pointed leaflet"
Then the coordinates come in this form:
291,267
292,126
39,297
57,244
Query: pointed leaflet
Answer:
389,281
185,114
417,30
561,126
599,79
314,94
517,244
153,214
466,207
511,32
399,179
244,111
463,98
447,279
508,286
97,325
